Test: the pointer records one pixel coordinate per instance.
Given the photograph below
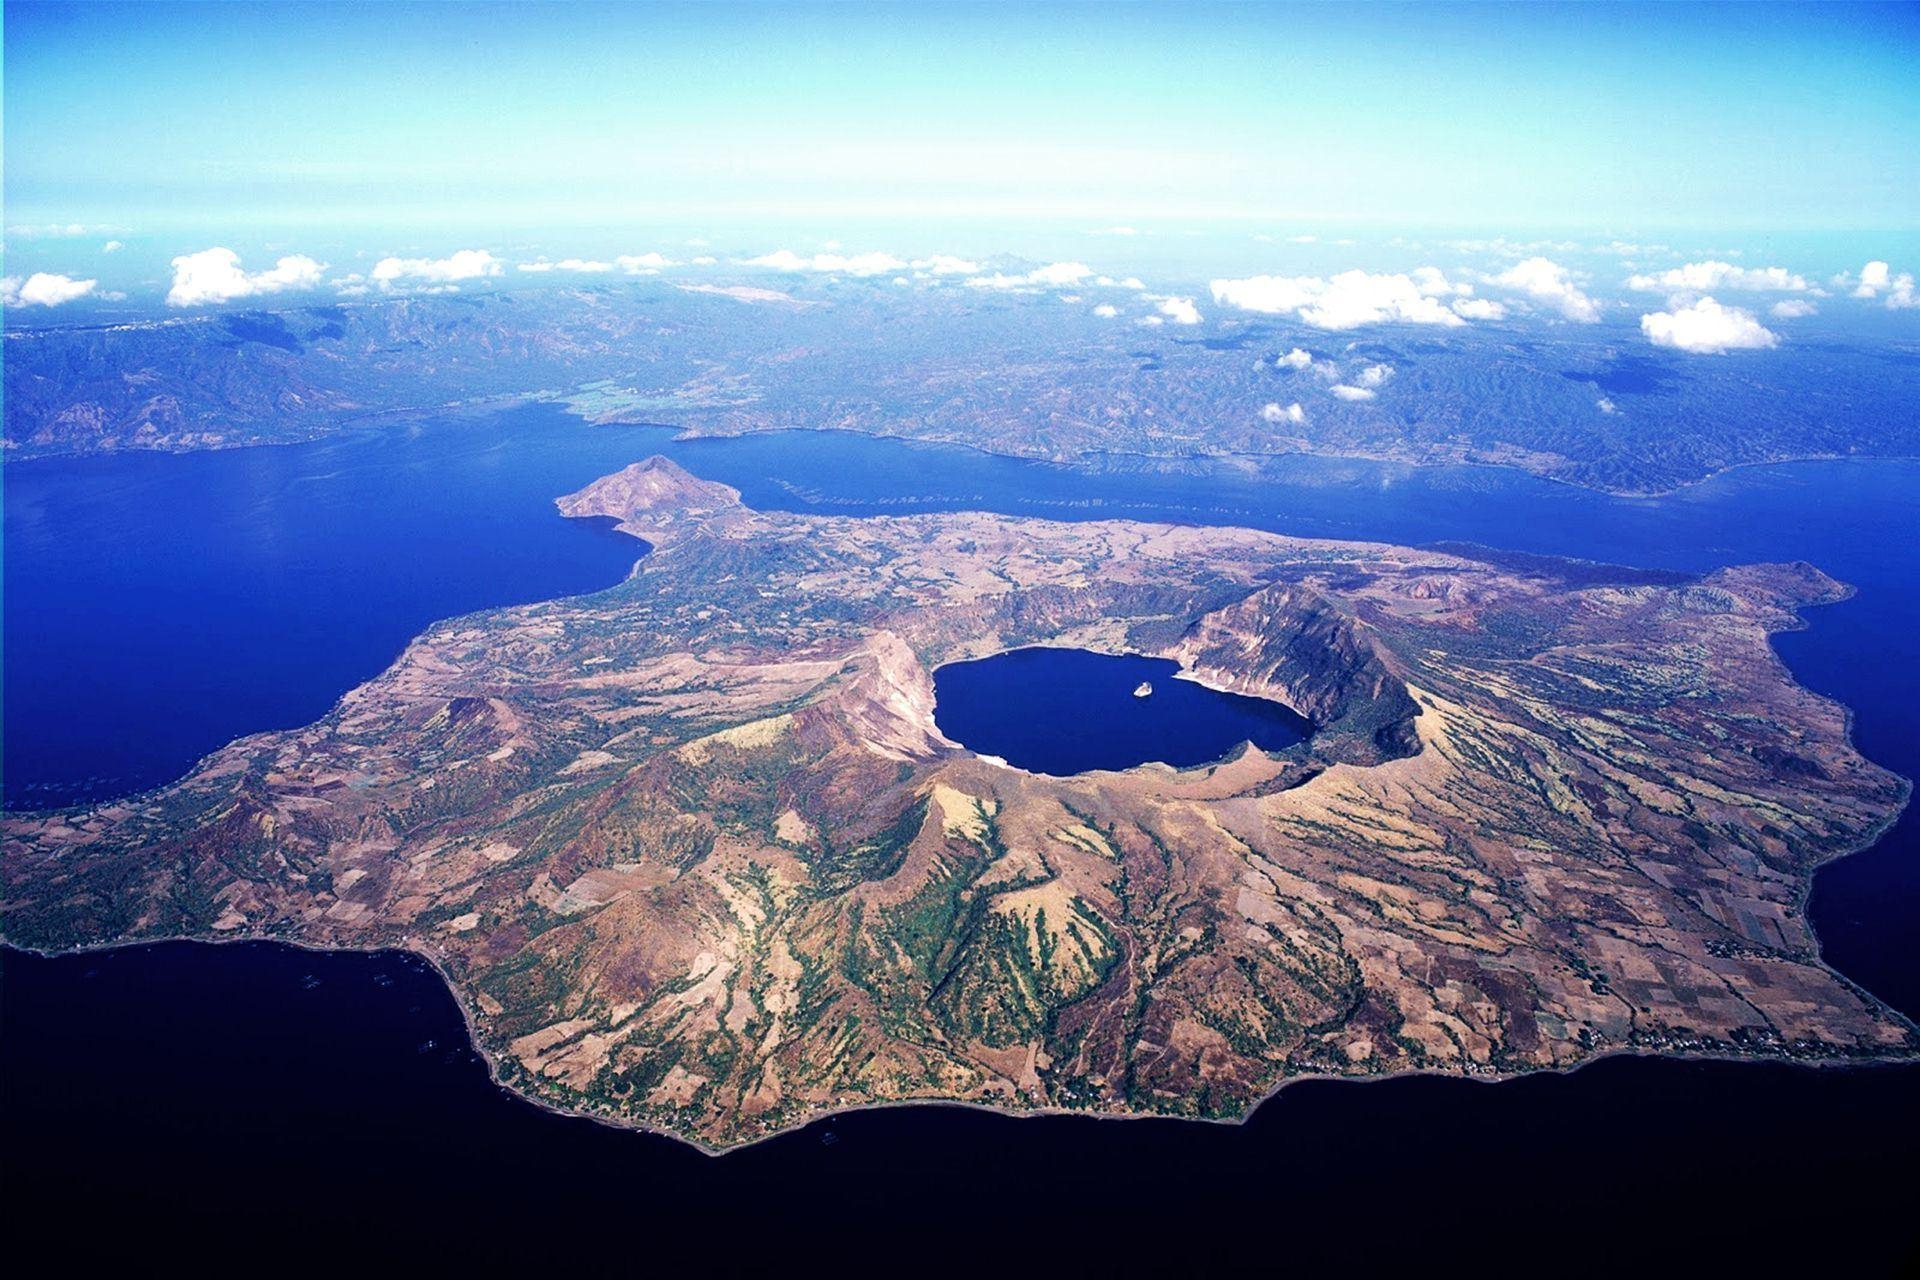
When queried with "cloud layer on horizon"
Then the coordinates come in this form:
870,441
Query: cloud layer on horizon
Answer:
1179,310
43,289
215,275
1877,278
1547,282
1348,300
1705,277
466,264
1051,276
1705,327
858,264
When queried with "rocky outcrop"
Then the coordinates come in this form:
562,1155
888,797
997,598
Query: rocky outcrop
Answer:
1294,644
653,500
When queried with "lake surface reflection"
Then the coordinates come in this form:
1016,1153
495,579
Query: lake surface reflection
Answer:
1066,711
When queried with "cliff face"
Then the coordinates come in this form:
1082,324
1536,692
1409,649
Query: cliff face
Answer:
1294,644
695,854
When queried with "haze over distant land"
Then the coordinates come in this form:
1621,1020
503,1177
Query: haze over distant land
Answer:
1083,370
1176,143
1625,247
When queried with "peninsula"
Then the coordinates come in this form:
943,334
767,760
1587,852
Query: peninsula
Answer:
694,854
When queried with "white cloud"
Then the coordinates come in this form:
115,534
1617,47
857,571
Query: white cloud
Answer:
1792,309
1877,278
112,246
1706,328
215,275
1294,359
1271,295
945,264
1180,310
858,264
1479,309
1106,311
1502,247
1374,374
705,260
43,289
1873,278
644,264
1703,277
1547,281
567,264
1131,282
1054,274
1347,301
1152,322
467,264
1433,283
1355,298
1291,413
1345,392
296,271
56,230
1605,405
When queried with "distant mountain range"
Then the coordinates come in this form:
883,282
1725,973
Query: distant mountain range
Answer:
1019,374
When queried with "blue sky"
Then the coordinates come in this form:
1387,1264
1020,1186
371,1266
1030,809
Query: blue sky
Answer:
351,131
165,116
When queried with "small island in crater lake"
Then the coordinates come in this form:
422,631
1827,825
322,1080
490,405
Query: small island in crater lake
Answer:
696,853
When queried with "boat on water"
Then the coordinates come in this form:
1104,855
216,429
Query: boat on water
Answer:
1145,690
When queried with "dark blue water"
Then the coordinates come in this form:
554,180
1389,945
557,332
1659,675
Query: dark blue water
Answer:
1065,711
159,606
255,1107
203,1098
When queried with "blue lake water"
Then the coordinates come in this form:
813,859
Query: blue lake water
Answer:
157,606
1066,711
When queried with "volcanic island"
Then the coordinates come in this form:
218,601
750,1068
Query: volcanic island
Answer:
694,855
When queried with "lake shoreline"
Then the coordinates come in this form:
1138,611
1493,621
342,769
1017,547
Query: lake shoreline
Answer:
1865,1062
1806,892
1086,462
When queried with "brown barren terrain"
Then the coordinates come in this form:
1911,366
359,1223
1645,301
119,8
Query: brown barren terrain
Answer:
695,855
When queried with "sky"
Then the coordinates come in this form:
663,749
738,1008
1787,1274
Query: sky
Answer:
160,114
345,129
